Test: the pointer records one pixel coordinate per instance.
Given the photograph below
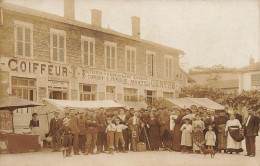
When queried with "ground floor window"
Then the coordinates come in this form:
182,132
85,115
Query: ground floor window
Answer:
168,95
130,94
59,95
58,90
87,92
24,88
150,96
110,92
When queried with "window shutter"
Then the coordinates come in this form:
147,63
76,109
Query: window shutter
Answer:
19,40
54,47
91,53
108,56
85,52
61,48
27,42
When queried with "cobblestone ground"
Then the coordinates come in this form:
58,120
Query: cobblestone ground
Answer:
162,158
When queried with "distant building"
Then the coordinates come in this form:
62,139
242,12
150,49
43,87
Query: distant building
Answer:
249,76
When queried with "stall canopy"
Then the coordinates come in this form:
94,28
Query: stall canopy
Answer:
187,102
135,105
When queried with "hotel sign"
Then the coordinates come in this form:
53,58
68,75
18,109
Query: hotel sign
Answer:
125,79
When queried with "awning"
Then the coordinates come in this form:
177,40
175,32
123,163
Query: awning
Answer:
187,102
62,104
205,102
135,105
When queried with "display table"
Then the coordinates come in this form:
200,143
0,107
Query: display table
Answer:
22,143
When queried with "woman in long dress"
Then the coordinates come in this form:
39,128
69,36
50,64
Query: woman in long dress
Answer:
198,134
176,143
154,134
35,127
233,125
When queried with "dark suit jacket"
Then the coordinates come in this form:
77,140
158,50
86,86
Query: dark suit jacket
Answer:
55,125
253,126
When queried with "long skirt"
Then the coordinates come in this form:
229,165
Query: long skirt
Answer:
222,138
186,138
36,131
232,145
198,138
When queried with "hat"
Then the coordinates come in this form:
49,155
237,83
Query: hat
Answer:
34,114
57,111
81,112
66,120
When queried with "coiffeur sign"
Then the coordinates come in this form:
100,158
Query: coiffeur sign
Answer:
60,70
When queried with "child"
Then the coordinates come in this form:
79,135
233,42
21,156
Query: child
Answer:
186,141
67,137
119,134
210,138
110,130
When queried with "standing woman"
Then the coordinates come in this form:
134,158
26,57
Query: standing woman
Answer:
154,134
35,126
232,128
198,134
176,143
221,125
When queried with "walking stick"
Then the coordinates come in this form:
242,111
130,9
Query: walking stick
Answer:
147,139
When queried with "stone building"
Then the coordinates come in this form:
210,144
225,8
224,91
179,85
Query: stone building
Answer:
49,56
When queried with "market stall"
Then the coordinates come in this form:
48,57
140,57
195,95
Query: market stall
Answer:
135,105
18,142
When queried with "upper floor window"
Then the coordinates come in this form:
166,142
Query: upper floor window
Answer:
23,36
150,63
88,50
110,55
130,59
168,65
58,45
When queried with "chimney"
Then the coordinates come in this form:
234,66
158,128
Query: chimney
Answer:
136,27
251,61
96,17
69,9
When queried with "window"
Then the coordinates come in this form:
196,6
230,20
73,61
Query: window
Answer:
168,95
23,35
58,90
110,55
110,93
255,80
24,88
130,59
150,60
130,94
150,96
59,95
87,92
58,45
168,66
88,50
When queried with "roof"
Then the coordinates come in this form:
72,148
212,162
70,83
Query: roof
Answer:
135,105
187,75
29,11
187,102
225,84
253,67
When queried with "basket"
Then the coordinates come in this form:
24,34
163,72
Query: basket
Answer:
141,147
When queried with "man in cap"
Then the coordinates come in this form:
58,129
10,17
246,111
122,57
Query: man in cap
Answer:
82,131
92,124
134,124
101,135
73,124
165,133
55,126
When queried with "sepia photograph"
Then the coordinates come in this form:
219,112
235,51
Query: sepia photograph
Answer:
129,82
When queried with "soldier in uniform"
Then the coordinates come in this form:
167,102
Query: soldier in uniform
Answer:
134,124
82,134
101,135
165,133
92,124
73,124
55,126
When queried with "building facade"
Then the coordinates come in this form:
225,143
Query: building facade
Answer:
49,56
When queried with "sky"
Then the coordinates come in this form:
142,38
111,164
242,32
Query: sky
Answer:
210,32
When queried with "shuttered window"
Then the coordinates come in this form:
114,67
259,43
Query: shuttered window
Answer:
168,66
23,39
110,54
150,63
58,45
88,50
255,80
130,59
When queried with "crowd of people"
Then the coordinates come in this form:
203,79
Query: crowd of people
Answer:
183,130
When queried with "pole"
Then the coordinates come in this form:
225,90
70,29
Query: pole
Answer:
12,116
147,139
